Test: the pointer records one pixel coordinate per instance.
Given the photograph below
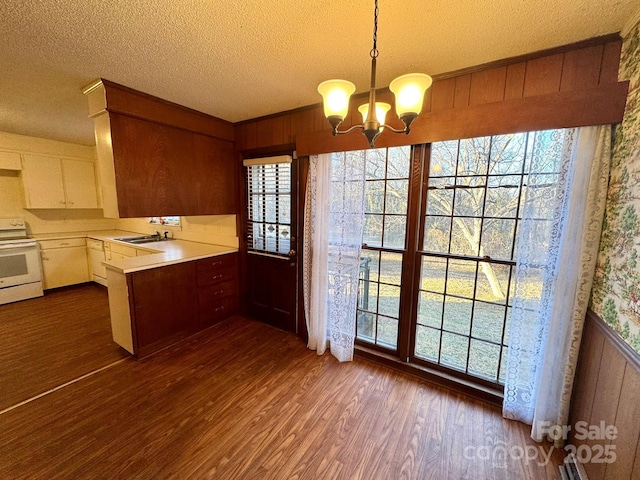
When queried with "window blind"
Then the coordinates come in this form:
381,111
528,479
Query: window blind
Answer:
269,207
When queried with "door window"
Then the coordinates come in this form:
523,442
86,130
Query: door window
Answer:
269,208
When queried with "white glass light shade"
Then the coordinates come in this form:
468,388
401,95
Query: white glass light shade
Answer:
409,91
381,111
335,94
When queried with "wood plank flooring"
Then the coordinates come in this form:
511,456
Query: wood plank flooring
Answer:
243,400
50,340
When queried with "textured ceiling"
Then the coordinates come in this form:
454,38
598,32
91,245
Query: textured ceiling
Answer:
246,58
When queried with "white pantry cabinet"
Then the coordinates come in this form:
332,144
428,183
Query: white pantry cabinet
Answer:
51,182
64,262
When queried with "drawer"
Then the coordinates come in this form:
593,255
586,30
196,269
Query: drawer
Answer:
95,244
210,277
217,263
62,243
219,312
212,294
123,250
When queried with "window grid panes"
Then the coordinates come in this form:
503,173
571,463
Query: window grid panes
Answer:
475,192
386,202
269,208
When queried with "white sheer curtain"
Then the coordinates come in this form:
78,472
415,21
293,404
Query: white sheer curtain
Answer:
557,247
333,227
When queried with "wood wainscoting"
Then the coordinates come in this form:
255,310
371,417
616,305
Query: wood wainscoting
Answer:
607,389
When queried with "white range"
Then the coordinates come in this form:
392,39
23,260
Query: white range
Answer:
20,269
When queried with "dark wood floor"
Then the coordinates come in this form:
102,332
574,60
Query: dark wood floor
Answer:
243,400
50,340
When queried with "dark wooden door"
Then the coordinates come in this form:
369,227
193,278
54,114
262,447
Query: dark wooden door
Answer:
273,290
271,243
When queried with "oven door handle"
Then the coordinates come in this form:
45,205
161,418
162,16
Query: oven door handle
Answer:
15,246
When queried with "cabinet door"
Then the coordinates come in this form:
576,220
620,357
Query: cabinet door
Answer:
96,257
165,303
79,184
42,182
117,256
64,266
10,161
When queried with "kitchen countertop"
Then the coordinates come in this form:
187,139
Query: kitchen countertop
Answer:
169,252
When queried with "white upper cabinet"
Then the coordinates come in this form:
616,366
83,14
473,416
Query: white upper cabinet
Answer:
10,161
51,182
79,179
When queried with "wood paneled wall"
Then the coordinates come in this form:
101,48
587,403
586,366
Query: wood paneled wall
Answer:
563,87
607,389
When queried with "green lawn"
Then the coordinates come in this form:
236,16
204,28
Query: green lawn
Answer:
445,322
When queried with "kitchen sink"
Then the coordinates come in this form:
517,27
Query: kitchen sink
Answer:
142,239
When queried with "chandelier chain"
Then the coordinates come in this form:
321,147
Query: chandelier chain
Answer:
336,94
374,51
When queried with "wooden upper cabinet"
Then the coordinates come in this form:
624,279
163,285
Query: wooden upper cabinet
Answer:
157,158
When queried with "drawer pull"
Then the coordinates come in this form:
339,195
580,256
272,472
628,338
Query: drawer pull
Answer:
219,292
219,262
217,277
219,309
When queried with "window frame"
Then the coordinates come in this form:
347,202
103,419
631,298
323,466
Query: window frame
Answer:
416,161
413,253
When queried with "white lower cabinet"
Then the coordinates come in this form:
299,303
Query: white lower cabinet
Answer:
97,271
64,262
117,251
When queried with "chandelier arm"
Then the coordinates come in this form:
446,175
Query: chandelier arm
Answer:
395,130
349,130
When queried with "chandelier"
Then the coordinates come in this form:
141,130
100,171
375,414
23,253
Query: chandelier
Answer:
408,91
